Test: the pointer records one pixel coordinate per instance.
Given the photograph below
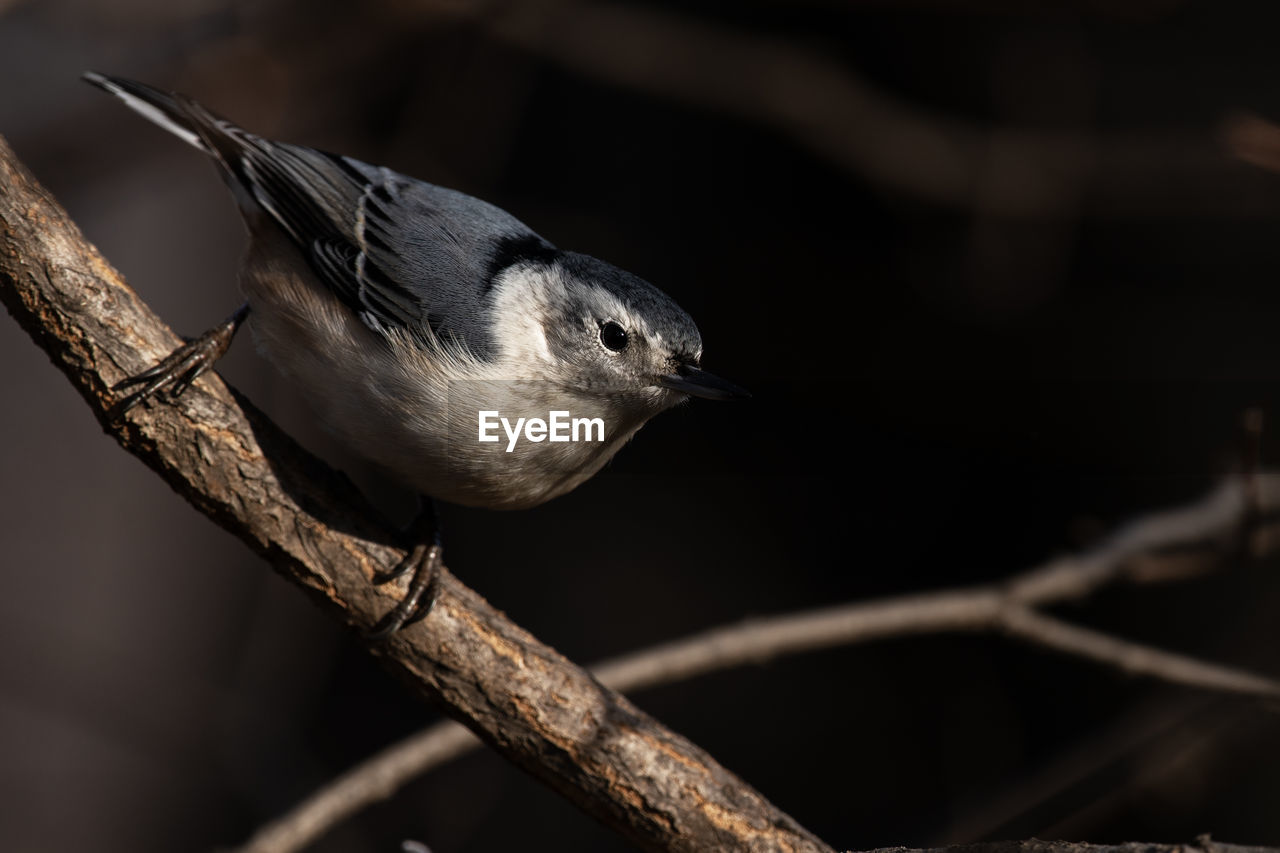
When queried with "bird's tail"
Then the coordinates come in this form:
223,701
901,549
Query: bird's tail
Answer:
196,125
174,113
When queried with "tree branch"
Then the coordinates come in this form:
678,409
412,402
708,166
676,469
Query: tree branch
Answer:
220,453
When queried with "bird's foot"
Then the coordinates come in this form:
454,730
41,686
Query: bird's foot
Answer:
422,563
181,367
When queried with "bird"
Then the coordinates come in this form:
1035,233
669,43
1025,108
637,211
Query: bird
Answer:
420,323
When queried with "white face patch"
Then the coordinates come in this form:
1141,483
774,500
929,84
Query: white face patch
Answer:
520,309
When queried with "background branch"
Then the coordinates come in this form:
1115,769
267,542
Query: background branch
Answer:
1153,548
542,712
825,105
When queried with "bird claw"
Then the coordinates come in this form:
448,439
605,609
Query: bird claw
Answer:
424,563
174,374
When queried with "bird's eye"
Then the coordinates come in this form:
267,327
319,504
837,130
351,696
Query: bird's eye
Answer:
613,336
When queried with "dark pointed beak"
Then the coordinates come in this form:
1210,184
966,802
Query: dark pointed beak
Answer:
697,382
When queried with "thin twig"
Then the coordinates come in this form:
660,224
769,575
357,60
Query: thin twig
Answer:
1133,658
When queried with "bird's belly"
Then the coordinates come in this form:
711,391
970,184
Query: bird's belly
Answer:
507,474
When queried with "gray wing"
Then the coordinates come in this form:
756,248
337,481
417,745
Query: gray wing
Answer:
400,252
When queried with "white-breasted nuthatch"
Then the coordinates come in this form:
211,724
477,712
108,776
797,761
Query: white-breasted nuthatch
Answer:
411,316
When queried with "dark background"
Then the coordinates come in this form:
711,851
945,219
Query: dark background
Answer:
996,279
